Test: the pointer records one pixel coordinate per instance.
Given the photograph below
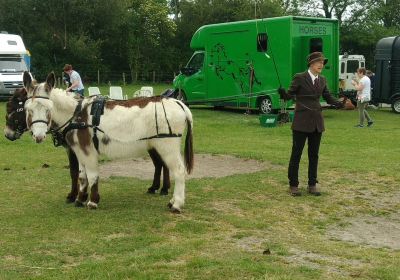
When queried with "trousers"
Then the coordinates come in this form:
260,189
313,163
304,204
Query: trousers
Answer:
299,140
362,110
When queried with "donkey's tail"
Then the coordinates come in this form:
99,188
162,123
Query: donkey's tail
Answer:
188,151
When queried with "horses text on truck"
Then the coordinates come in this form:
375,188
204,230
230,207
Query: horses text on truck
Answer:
12,63
242,64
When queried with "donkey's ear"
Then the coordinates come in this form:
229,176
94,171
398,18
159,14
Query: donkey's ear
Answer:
51,80
27,81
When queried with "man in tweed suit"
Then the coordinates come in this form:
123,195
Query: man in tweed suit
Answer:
308,123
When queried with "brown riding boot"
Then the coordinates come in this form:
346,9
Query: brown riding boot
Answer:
313,190
294,191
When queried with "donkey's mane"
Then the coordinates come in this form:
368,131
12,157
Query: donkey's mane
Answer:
62,99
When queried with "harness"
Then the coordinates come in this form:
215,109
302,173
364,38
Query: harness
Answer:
39,121
163,135
19,128
96,111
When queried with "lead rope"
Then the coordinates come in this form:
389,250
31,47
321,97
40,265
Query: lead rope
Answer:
283,116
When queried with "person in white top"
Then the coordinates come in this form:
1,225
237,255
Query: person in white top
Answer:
76,81
363,87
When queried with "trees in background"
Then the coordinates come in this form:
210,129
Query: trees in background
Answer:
136,36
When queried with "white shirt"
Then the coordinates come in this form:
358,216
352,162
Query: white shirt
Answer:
366,92
76,77
313,78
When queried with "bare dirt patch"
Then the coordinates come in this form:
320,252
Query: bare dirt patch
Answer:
377,232
206,165
331,264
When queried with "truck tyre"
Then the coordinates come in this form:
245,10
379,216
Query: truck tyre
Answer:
396,105
265,105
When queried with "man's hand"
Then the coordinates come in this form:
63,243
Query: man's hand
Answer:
281,92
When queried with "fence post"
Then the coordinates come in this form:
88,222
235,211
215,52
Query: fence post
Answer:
154,77
123,78
98,77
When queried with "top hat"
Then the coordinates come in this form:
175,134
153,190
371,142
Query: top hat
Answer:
316,56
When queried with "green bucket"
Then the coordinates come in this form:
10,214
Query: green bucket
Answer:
268,120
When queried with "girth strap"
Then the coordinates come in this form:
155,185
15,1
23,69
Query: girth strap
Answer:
162,135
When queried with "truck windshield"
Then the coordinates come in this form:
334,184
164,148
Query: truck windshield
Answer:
196,63
12,64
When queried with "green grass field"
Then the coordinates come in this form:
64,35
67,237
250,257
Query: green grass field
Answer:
237,227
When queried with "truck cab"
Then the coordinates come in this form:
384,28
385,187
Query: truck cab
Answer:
12,63
348,68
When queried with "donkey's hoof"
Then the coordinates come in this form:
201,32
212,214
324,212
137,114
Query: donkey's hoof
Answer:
170,205
175,210
70,199
91,205
79,203
163,192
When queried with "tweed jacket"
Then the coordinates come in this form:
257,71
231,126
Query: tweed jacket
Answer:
308,112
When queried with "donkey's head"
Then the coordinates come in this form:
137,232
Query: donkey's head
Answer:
38,106
15,115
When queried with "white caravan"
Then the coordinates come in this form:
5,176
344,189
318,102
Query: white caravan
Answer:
12,63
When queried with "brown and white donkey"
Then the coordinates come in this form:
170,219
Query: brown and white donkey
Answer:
16,126
130,128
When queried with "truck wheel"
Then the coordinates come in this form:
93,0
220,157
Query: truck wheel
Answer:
265,106
396,106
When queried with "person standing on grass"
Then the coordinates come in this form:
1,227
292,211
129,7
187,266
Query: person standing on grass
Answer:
363,87
76,81
308,124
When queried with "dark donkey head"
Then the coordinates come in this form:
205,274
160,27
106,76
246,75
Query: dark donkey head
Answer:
15,115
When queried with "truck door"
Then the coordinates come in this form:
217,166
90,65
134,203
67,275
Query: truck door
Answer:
195,82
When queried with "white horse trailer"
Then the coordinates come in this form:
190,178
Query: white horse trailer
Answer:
12,63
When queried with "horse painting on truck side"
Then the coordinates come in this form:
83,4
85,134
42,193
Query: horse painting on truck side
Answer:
242,64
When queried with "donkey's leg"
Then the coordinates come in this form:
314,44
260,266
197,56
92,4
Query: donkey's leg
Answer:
93,186
83,185
74,174
155,157
166,181
170,154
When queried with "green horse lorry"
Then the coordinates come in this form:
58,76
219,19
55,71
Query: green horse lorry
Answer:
242,64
